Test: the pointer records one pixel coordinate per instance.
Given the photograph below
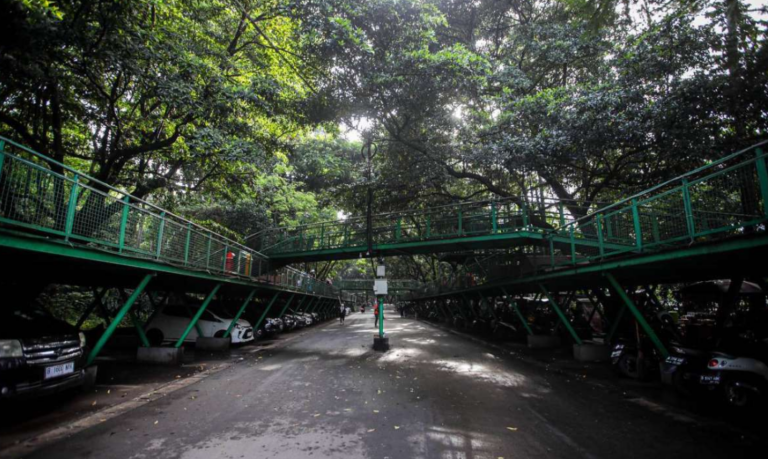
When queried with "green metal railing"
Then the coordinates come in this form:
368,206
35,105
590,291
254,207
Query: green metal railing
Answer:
42,196
461,220
367,284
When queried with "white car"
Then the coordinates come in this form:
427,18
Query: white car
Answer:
170,323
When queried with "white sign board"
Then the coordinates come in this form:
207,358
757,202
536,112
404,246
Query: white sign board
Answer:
380,287
381,271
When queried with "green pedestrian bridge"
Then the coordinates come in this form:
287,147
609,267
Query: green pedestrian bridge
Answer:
59,225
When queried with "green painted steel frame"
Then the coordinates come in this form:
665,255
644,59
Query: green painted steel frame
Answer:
197,316
637,315
266,311
240,313
118,318
560,314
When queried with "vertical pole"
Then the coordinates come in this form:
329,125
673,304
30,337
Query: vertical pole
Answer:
525,214
573,245
2,157
322,235
381,316
266,311
561,213
615,325
224,258
762,176
208,254
560,314
239,313
688,210
399,229
599,226
638,229
160,235
186,243
120,315
638,316
519,314
461,223
124,222
71,207
429,227
494,220
197,316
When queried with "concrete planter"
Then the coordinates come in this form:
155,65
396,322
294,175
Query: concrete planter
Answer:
170,356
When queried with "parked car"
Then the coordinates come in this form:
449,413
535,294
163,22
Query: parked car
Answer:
38,353
170,323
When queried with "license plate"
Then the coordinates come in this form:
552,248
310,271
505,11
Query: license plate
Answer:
710,379
56,371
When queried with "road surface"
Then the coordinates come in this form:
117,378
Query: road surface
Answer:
326,394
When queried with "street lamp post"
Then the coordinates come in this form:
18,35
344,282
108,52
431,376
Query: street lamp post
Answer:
380,341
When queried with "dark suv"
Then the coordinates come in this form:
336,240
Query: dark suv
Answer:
38,353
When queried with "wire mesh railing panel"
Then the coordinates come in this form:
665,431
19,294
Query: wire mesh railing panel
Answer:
75,207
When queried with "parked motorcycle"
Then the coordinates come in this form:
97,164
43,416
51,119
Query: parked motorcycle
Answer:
741,371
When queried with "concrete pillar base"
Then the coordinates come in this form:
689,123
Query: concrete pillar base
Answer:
380,344
170,356
543,341
589,352
205,343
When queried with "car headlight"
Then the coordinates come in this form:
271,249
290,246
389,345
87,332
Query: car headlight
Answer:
82,339
10,348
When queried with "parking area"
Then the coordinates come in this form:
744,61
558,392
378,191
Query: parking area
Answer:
323,392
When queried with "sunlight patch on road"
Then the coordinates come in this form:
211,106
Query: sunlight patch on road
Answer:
482,372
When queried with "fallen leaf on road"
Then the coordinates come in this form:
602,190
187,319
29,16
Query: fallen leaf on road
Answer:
397,427
109,391
371,430
318,414
157,422
513,429
375,411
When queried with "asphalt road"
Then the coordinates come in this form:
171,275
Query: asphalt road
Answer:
326,394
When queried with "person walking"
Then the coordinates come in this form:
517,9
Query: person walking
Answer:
376,315
342,313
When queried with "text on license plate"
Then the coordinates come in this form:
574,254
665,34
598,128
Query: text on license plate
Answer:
59,370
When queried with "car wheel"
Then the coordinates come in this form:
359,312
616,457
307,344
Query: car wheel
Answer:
628,366
219,334
155,337
736,395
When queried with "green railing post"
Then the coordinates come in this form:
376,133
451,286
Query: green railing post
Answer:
224,258
638,229
266,311
208,253
197,316
399,229
124,222
560,314
599,227
71,208
688,210
2,157
561,213
461,222
494,220
186,243
762,176
638,315
118,318
160,235
139,329
322,235
524,208
573,245
429,226
239,313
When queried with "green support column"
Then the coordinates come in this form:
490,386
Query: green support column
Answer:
599,226
638,316
197,316
239,313
186,243
494,219
519,314
139,329
638,229
266,311
120,315
688,210
560,314
287,303
617,320
381,317
298,306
